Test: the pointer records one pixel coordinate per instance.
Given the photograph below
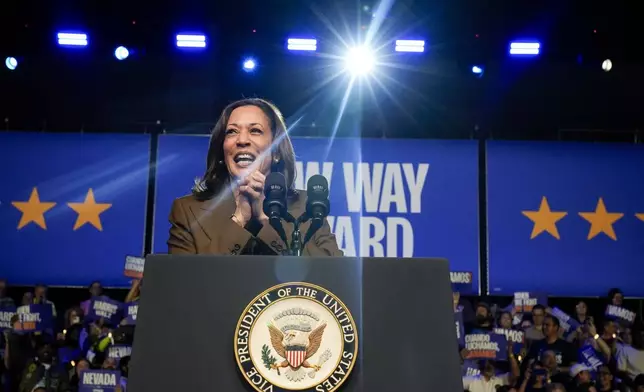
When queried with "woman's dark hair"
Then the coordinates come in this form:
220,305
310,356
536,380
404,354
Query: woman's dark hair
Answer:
283,156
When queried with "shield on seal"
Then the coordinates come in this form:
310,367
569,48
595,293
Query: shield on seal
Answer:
295,355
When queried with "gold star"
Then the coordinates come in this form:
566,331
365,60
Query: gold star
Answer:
640,216
89,211
544,219
33,210
601,221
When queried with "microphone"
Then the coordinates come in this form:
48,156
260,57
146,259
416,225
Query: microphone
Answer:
275,196
274,206
317,204
317,199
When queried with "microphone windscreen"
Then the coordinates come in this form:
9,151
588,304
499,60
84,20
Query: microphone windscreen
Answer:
317,188
275,186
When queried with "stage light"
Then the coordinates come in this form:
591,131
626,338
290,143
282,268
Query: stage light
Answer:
607,65
72,39
359,61
249,64
121,53
408,45
191,41
302,44
524,48
11,63
478,70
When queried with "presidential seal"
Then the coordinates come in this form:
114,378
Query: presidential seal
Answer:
296,337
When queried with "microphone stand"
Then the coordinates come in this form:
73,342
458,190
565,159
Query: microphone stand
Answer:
296,237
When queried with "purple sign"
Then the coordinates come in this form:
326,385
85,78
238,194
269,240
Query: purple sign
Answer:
470,368
460,328
514,337
486,346
5,317
589,356
524,301
99,380
130,310
622,315
567,323
105,308
119,351
37,317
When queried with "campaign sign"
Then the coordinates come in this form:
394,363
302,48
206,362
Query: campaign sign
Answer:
70,205
119,351
622,315
460,327
99,380
566,323
565,207
105,308
389,197
130,310
589,356
525,301
470,368
36,317
134,267
486,346
461,281
5,317
514,337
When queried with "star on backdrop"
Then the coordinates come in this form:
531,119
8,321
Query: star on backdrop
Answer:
601,221
544,219
89,211
33,210
640,216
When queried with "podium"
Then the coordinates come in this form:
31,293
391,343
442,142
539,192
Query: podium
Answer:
193,327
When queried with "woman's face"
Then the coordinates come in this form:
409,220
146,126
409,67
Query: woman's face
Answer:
581,308
618,299
248,137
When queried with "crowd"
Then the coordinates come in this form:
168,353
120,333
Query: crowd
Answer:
543,349
90,343
546,349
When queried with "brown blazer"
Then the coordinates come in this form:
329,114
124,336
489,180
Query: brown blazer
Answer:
206,227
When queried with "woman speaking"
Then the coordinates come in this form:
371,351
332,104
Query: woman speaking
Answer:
224,214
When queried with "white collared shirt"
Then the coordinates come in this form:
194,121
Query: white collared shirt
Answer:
480,384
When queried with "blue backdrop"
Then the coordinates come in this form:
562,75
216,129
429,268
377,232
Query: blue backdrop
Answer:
72,206
538,190
420,196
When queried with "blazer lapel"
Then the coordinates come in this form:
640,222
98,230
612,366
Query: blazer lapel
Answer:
210,214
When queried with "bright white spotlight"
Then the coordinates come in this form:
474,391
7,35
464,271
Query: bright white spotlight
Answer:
607,65
524,48
302,44
249,65
359,61
72,39
191,41
410,45
11,63
121,53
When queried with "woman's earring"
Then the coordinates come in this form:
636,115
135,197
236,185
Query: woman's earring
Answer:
221,162
276,160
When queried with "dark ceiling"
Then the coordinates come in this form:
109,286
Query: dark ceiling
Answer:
429,95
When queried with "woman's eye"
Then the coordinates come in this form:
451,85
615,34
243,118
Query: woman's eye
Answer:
256,131
229,131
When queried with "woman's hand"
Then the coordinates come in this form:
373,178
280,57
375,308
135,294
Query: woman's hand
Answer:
249,198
